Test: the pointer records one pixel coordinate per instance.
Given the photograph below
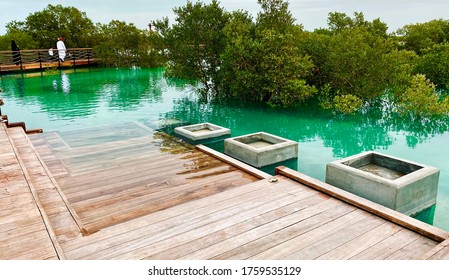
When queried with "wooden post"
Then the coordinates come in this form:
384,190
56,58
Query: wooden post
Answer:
39,59
20,61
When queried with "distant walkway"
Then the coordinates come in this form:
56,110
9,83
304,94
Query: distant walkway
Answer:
42,60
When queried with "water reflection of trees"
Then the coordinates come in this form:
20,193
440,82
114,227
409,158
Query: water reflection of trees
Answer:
126,89
373,129
78,93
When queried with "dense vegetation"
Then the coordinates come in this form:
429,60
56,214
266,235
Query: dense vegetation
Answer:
346,67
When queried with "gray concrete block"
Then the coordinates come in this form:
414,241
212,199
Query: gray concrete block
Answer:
261,149
399,184
202,131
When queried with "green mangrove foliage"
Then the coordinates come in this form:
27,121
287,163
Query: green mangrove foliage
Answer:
270,59
116,44
193,44
346,67
434,63
44,27
422,99
421,36
124,45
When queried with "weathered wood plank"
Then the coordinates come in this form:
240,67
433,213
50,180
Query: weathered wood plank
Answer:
243,166
298,242
264,238
388,246
182,218
239,233
369,206
335,239
350,249
414,250
217,223
183,212
439,252
22,226
18,135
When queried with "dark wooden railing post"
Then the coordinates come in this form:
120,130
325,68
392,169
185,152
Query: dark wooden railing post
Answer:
39,59
20,61
74,59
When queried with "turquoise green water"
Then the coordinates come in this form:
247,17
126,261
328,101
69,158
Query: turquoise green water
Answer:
80,98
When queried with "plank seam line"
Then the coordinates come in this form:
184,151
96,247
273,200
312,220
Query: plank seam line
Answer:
59,191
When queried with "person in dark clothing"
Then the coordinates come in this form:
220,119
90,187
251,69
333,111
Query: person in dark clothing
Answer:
15,53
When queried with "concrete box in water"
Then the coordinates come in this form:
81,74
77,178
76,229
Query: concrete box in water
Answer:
401,185
261,149
202,131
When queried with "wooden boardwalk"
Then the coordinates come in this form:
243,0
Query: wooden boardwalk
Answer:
120,172
137,193
25,232
41,60
46,65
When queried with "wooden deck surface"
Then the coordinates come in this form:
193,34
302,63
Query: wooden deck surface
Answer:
140,194
120,172
260,220
46,65
23,230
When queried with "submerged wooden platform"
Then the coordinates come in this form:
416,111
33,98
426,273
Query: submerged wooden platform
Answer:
120,172
127,191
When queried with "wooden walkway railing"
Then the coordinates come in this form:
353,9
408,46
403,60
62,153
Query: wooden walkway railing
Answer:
42,59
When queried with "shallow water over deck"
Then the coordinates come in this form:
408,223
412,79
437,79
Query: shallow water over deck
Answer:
83,98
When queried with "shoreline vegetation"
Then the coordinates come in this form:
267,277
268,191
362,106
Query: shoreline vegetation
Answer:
230,55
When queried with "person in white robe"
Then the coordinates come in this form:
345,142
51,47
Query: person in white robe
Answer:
61,49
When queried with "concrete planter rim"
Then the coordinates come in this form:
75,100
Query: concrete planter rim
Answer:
398,182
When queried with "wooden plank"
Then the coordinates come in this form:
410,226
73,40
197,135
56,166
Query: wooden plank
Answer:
11,133
110,184
303,240
238,234
37,248
106,216
180,213
388,246
152,170
243,166
217,223
355,246
268,236
202,213
175,220
334,240
439,252
374,208
414,250
43,180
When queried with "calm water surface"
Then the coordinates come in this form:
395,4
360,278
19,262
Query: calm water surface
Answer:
85,97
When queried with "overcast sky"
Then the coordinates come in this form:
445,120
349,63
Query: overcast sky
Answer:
310,13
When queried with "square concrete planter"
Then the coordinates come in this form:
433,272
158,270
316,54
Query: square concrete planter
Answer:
202,131
260,149
401,185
